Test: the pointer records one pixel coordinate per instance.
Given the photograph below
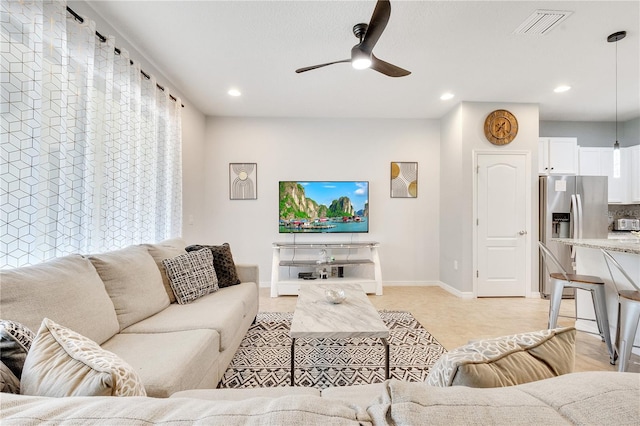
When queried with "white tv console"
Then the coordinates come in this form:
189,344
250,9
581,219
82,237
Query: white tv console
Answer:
359,262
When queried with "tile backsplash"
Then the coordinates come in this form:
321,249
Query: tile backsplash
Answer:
618,211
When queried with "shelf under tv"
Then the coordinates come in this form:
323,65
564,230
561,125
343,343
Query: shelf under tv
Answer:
360,261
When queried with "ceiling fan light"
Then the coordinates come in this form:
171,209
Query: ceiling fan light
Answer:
562,89
361,63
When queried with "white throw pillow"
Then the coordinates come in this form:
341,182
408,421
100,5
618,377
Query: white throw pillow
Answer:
62,363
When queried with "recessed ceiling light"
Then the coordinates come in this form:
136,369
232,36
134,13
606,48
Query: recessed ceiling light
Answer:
562,89
234,92
446,96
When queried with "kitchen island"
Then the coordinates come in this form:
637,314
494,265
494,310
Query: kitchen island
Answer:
590,261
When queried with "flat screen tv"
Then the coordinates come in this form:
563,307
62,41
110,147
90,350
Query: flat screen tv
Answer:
324,207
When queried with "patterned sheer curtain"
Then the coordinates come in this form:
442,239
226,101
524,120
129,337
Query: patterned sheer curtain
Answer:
90,149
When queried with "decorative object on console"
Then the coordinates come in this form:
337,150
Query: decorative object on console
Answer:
62,362
500,127
243,181
191,275
222,263
404,179
507,360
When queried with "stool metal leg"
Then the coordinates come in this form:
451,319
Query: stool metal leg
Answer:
555,297
600,305
629,317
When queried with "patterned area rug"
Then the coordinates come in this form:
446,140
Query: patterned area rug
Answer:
263,358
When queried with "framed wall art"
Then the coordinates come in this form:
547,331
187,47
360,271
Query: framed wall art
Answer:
243,181
404,179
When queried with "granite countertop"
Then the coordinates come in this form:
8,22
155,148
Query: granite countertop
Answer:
624,245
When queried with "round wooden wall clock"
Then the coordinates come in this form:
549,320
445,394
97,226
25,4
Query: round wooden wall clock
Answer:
500,127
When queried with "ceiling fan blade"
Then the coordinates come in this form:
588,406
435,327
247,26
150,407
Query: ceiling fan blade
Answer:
378,23
387,69
313,67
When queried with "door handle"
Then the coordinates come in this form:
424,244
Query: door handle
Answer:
522,233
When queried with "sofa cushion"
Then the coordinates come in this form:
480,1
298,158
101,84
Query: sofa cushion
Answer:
508,360
286,410
246,393
405,403
9,383
362,395
170,362
222,263
592,397
133,282
166,249
67,290
191,275
15,341
62,362
222,311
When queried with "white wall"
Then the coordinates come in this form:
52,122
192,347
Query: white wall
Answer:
463,133
322,149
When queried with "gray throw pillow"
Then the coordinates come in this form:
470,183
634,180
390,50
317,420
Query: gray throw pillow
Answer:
191,275
15,341
9,383
222,263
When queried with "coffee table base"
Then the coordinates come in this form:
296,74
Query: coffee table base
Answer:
386,360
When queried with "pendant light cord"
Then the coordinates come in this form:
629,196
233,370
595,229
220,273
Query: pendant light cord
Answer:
616,92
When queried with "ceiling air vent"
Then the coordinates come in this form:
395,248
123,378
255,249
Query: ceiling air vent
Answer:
542,21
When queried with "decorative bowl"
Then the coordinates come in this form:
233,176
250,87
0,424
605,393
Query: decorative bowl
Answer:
336,295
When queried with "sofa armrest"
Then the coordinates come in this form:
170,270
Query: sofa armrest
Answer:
248,273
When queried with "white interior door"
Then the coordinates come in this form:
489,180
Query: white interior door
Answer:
502,234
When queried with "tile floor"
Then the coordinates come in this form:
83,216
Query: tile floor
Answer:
455,321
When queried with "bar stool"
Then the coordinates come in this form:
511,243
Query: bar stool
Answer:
628,313
561,279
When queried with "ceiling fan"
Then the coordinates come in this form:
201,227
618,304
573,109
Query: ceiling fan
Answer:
361,54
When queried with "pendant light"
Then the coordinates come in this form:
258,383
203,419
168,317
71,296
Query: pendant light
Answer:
614,38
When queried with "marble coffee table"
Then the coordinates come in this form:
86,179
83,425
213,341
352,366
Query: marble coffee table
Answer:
315,317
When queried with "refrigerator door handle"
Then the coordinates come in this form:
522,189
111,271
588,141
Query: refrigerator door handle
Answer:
580,219
575,218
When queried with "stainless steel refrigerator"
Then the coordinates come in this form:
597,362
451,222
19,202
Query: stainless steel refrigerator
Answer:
570,207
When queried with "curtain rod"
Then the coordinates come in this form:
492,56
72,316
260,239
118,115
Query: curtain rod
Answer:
104,39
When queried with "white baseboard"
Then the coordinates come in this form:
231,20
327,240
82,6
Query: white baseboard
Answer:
456,292
410,284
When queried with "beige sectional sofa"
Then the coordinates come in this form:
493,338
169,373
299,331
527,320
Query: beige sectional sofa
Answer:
120,300
591,398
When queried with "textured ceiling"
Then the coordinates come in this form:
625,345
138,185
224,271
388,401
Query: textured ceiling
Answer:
468,48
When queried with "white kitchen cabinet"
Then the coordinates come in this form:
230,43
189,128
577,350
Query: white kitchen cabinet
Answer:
557,156
599,162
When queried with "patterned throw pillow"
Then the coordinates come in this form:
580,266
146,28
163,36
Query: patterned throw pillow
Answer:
222,263
62,363
191,275
15,341
507,360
